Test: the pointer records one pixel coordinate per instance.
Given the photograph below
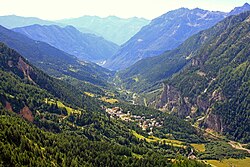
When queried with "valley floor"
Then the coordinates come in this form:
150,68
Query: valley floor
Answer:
229,162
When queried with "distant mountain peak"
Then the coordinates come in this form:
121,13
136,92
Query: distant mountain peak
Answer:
238,10
198,9
246,5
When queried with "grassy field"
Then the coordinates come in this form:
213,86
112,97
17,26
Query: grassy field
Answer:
199,147
73,70
136,79
109,100
89,94
9,95
175,143
138,156
61,105
137,135
230,162
145,102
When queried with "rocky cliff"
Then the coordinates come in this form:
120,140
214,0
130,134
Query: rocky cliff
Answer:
215,85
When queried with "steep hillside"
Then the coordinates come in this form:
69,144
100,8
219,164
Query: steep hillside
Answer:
24,82
163,33
49,103
77,122
112,28
215,84
86,47
20,141
13,21
166,33
53,61
153,70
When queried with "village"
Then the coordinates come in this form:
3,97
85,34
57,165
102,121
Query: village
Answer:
143,122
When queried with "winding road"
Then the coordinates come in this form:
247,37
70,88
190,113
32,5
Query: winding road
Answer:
238,146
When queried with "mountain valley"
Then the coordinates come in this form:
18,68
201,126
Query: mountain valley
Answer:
202,76
180,96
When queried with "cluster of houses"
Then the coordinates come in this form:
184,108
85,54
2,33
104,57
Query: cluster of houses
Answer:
143,122
117,112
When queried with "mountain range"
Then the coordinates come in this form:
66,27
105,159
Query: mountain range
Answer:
183,99
52,60
86,47
112,28
166,33
13,21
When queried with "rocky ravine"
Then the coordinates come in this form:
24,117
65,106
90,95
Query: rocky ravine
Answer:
172,100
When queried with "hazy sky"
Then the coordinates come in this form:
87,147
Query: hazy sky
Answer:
58,9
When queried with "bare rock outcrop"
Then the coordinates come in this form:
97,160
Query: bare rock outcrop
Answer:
8,106
27,114
172,101
213,122
25,68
